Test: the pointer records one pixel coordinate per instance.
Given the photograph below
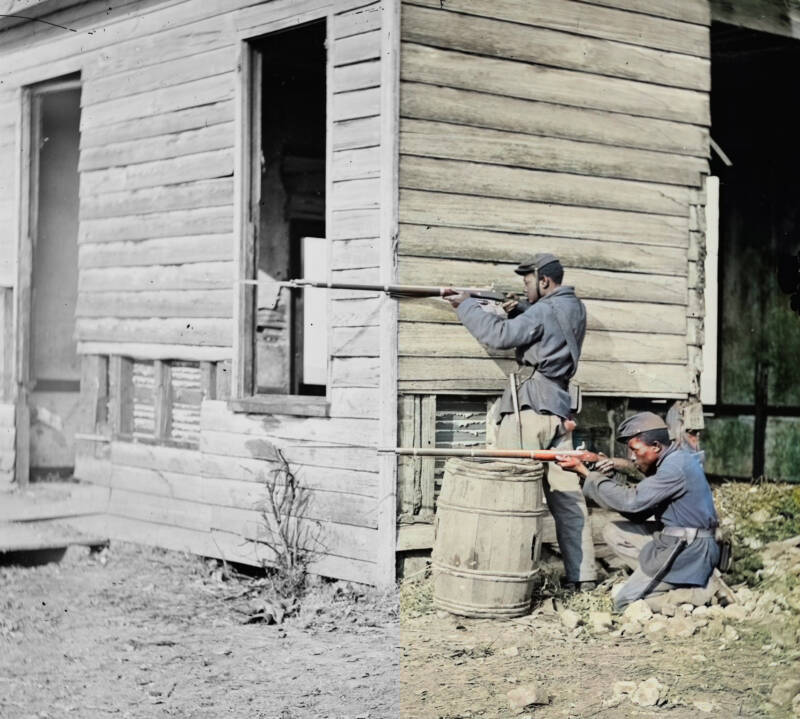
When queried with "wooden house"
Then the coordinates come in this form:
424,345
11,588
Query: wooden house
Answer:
164,164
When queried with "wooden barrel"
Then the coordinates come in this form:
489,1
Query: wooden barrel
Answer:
487,537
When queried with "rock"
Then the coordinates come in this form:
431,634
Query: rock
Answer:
668,609
784,693
681,627
630,629
570,619
730,634
656,626
442,614
716,611
639,611
737,612
600,621
796,705
686,608
703,611
511,651
745,595
699,657
525,695
703,706
648,693
760,516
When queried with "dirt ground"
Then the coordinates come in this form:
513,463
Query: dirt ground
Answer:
138,632
456,668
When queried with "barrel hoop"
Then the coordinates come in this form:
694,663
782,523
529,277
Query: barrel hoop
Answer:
483,610
493,512
516,577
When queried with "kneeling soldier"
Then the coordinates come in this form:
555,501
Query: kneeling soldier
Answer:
678,549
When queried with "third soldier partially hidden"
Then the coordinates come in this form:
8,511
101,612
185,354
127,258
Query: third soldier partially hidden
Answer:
547,333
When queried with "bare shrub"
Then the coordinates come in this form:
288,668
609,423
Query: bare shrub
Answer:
291,538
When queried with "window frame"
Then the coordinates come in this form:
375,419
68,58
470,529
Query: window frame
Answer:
243,397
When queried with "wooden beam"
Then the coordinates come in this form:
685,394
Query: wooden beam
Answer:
120,382
162,399
389,219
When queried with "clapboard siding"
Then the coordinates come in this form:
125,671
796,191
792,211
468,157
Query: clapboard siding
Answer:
487,36
550,120
591,20
579,128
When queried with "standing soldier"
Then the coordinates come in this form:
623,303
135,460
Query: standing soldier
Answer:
547,333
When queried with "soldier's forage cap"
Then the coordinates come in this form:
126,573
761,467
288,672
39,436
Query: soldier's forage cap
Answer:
642,422
532,264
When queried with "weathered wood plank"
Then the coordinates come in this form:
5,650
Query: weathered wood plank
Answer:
191,331
167,73
180,223
461,244
352,134
159,147
534,117
591,284
231,444
354,254
187,168
693,11
418,339
191,276
355,22
185,196
472,178
610,378
360,311
600,315
566,87
355,372
153,351
163,251
458,142
339,506
158,303
228,546
360,402
357,48
354,224
524,42
359,76
449,210
216,416
591,20
355,194
356,164
342,540
156,457
332,480
355,104
190,94
778,17
355,342
193,118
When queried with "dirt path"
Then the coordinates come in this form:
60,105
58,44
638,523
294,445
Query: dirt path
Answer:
138,632
459,668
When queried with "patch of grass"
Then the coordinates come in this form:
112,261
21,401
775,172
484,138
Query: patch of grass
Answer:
416,597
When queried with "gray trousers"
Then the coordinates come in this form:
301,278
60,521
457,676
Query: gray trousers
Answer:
626,540
561,490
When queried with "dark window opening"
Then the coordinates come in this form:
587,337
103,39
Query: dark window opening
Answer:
290,333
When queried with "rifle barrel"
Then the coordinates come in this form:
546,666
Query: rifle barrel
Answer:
540,455
402,290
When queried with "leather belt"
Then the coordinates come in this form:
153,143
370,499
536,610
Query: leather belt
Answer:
687,533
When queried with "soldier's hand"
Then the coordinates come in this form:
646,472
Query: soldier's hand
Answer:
609,466
453,297
572,464
511,303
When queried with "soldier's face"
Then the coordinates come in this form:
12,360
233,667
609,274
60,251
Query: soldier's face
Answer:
531,287
643,455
